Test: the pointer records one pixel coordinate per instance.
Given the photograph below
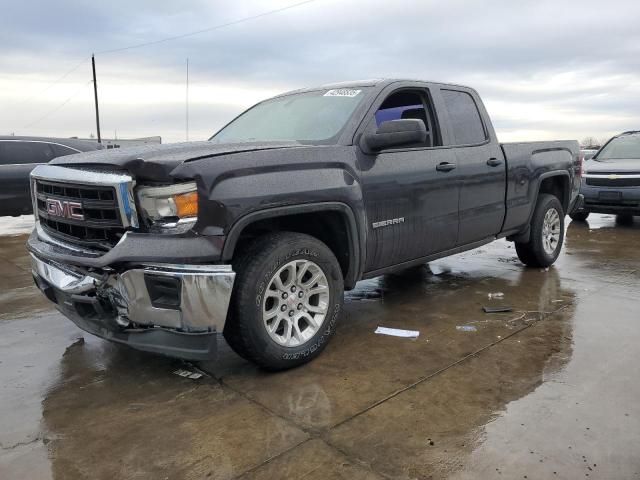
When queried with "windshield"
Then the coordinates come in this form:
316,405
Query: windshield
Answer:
625,147
310,117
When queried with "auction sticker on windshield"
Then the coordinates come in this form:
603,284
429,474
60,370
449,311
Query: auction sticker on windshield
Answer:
342,92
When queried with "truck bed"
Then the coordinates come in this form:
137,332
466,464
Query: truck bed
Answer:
528,163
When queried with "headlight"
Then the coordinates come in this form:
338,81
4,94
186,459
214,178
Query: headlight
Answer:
170,204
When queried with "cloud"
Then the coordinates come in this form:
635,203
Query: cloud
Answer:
545,69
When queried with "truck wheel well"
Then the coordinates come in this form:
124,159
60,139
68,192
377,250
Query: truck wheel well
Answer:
330,227
559,187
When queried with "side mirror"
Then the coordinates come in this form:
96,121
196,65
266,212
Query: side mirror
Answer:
397,133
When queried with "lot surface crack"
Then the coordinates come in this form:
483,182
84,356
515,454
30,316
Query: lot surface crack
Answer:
323,434
20,444
544,315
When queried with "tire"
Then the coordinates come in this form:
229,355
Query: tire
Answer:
624,219
579,216
313,307
540,251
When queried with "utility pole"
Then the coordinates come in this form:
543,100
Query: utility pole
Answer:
187,101
95,95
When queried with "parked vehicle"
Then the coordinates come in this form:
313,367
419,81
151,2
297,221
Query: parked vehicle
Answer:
20,155
611,179
257,232
588,153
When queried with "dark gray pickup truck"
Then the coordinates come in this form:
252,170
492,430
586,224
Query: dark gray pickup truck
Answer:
257,232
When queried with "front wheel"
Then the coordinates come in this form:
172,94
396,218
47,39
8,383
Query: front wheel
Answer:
287,299
547,234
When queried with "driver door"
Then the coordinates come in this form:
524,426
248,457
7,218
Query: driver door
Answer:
411,192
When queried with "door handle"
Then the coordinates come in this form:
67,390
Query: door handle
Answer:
494,162
445,167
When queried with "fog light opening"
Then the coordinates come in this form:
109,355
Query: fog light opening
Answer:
164,291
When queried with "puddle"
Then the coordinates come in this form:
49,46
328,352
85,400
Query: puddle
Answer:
16,225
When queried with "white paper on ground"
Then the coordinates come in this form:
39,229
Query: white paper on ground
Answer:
188,374
396,332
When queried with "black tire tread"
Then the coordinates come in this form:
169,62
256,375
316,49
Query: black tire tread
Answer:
524,253
532,253
579,216
232,332
235,331
247,267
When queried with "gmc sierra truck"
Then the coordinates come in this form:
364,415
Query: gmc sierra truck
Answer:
257,232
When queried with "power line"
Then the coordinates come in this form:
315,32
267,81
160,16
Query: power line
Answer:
204,30
145,44
55,109
54,83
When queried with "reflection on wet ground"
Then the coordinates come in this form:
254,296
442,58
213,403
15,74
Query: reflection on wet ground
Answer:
548,390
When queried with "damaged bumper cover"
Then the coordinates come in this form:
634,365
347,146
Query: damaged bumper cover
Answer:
171,309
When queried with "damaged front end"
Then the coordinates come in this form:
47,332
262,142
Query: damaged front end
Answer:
169,309
120,259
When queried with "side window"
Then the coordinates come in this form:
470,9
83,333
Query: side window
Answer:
20,152
408,104
464,117
61,150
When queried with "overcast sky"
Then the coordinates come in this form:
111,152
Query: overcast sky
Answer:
545,69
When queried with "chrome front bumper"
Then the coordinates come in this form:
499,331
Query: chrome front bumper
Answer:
204,294
188,300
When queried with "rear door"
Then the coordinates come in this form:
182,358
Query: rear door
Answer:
481,164
17,159
410,193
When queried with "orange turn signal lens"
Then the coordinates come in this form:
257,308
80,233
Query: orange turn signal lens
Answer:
186,204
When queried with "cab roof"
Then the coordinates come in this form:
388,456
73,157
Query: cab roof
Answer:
374,82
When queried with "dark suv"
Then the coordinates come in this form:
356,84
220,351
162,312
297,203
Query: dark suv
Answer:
611,179
20,155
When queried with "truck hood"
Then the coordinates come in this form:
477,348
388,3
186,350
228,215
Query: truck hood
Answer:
631,165
156,162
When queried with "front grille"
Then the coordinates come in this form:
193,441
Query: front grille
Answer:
620,181
98,223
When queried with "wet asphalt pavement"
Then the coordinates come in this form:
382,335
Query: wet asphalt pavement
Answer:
549,390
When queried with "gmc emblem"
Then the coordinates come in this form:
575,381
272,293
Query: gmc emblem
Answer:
64,209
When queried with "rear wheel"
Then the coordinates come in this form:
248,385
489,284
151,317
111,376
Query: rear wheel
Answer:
624,219
579,216
287,299
547,233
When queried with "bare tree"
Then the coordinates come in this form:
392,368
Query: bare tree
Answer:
590,142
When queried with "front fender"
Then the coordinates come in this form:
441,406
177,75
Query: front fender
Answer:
244,194
238,189
356,241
